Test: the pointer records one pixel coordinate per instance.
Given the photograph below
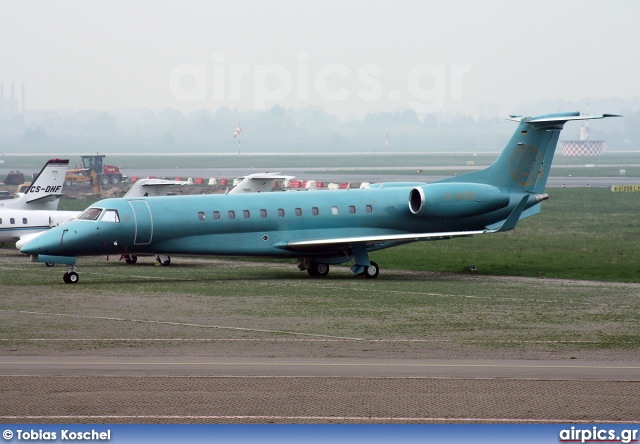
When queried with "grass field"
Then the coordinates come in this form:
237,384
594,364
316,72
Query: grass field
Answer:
221,300
581,233
207,305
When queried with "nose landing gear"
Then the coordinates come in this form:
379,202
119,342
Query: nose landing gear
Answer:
70,277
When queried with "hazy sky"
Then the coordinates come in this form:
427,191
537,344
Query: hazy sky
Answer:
349,57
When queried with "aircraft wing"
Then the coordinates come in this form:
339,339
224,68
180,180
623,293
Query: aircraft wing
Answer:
339,242
321,244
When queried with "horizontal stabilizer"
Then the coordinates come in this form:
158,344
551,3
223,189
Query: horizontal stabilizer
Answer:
557,120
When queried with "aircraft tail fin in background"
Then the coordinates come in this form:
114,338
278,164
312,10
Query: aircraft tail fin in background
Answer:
525,162
152,187
45,191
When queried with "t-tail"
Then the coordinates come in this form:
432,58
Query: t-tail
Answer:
45,191
525,162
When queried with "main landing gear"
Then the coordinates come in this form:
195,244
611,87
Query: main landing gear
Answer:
130,259
161,259
316,269
372,271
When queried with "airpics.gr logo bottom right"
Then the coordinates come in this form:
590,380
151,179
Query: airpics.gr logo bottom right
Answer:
595,434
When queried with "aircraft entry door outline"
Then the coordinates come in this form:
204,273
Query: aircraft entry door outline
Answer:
144,222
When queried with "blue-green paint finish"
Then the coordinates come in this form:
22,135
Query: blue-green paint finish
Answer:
325,226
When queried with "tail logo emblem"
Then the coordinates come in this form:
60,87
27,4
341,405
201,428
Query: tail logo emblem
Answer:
526,165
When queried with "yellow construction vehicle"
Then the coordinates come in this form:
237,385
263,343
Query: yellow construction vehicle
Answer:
105,174
84,176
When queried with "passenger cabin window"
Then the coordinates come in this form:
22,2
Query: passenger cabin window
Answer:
12,221
334,211
0,220
314,211
216,215
90,214
369,209
111,216
201,215
263,213
246,214
280,212
352,209
24,220
298,211
232,214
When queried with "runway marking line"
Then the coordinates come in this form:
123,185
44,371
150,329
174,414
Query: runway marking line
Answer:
325,364
184,324
329,339
383,419
284,332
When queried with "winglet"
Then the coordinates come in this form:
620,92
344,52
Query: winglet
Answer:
511,221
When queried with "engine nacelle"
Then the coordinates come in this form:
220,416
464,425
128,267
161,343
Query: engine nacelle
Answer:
448,201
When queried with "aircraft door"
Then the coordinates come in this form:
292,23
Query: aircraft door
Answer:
144,222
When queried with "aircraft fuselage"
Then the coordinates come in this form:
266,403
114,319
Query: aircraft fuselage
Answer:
263,224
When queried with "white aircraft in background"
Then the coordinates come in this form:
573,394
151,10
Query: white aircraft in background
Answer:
21,226
151,187
259,182
35,210
45,191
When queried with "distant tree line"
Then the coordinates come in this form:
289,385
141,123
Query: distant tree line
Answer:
278,130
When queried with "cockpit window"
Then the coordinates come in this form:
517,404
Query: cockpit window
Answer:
90,214
110,216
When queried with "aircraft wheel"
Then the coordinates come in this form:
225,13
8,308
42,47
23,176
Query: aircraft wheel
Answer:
72,278
115,180
50,264
163,260
65,278
372,271
130,259
321,269
318,270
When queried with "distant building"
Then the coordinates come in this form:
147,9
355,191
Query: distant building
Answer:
583,146
10,106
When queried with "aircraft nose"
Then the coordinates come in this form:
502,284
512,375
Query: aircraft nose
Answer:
31,247
45,243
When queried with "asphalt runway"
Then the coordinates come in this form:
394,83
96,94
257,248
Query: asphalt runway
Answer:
370,176
316,367
274,390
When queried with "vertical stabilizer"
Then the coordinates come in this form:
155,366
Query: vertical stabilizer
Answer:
45,191
525,162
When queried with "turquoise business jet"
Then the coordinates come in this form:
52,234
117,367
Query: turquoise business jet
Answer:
319,228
